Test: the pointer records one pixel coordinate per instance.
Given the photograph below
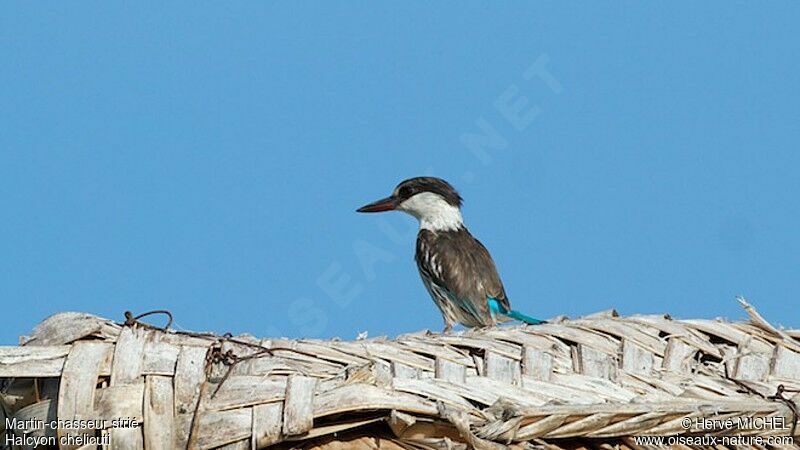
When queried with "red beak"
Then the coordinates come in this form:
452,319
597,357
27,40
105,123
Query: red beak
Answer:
384,204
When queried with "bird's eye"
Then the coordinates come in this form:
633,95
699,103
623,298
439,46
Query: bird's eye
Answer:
405,192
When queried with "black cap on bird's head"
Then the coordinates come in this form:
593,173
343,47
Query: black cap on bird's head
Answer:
411,187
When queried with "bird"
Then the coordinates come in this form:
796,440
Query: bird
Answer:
456,269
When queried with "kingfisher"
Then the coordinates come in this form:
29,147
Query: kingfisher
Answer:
456,268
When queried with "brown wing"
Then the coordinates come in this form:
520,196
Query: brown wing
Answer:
493,285
468,272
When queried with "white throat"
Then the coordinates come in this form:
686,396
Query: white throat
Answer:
433,212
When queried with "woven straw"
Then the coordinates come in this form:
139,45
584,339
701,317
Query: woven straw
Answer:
593,382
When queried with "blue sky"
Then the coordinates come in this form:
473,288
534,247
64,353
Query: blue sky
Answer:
207,158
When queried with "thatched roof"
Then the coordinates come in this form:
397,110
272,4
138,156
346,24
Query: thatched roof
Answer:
598,381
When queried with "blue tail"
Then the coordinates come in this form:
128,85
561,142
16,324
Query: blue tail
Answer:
496,308
523,318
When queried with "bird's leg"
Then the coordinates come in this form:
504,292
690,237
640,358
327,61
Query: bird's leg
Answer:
448,324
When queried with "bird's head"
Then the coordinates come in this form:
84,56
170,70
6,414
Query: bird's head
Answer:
432,200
